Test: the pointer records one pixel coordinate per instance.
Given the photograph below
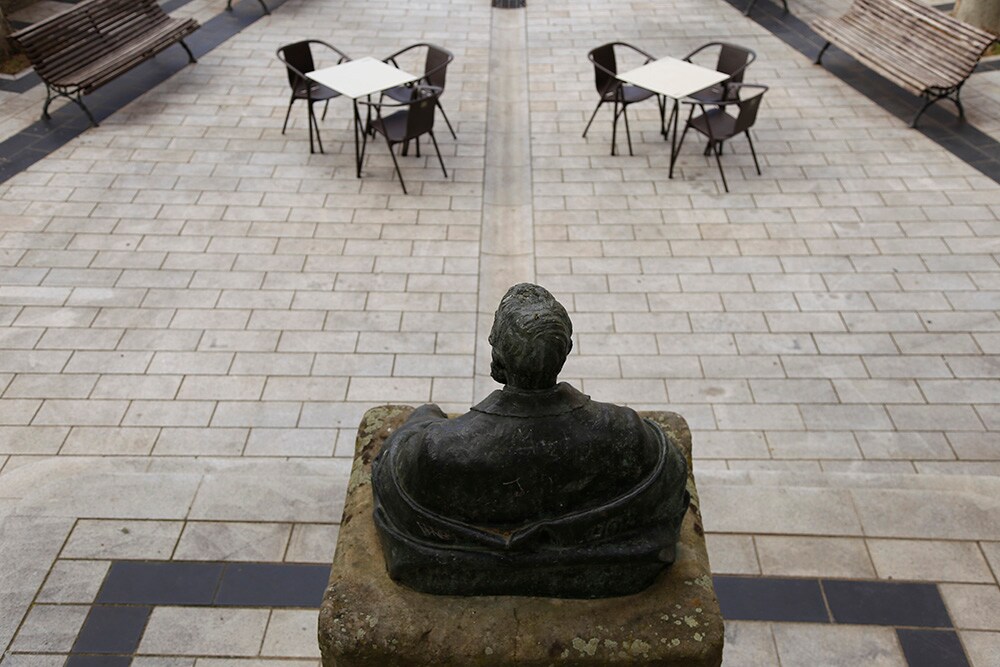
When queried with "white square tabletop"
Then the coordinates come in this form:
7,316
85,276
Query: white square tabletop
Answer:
672,77
361,77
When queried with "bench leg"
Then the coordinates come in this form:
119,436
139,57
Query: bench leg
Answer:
819,57
190,55
76,99
48,101
79,102
937,97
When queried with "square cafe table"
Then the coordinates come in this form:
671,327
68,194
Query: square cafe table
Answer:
675,79
360,78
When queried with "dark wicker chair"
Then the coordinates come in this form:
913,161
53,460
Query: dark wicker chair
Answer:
298,60
435,74
611,89
719,126
732,60
413,119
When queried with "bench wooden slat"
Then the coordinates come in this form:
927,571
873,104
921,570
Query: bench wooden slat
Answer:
918,69
930,41
911,44
126,57
93,42
956,29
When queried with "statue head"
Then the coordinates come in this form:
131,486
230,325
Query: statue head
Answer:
531,338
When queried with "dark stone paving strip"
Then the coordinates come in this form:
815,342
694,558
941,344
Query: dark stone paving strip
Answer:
272,585
213,584
114,630
75,660
886,603
116,622
932,648
940,123
44,136
771,599
163,582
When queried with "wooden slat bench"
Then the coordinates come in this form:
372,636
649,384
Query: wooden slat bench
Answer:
918,47
81,49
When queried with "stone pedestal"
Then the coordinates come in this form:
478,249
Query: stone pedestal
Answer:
368,620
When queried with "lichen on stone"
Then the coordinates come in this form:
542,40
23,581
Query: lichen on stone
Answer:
586,647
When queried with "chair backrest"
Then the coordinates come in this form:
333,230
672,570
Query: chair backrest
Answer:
436,65
733,60
605,67
748,107
420,113
298,55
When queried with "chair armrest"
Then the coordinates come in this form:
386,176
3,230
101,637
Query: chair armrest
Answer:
734,88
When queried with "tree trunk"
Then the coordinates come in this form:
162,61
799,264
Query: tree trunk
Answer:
5,46
984,14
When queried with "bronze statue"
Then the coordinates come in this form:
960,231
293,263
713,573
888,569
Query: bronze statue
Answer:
537,490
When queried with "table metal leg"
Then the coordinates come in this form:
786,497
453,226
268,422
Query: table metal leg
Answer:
357,139
675,114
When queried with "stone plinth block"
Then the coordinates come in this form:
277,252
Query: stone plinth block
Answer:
368,620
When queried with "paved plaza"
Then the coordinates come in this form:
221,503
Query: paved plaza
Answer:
195,313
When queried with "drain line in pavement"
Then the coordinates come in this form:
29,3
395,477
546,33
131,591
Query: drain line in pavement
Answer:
507,249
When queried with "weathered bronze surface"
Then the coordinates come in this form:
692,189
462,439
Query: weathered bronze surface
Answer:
368,620
538,490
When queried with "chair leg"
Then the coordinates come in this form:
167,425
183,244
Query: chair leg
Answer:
326,108
264,7
628,133
288,114
438,151
395,163
313,125
312,114
416,142
614,129
364,145
592,116
446,121
670,120
753,152
718,161
681,141
310,121
229,6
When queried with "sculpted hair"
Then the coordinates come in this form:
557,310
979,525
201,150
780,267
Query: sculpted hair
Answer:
531,338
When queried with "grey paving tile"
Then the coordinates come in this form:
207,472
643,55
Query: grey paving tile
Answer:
929,560
49,628
834,645
204,631
285,498
101,539
73,581
220,541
